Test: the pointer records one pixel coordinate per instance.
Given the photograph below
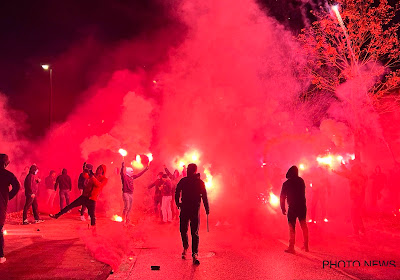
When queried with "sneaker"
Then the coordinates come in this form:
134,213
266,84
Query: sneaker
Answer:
54,216
290,250
195,260
83,219
39,221
3,260
184,254
25,222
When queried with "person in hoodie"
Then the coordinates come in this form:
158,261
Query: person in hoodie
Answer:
90,194
31,184
294,190
127,178
192,190
7,179
64,182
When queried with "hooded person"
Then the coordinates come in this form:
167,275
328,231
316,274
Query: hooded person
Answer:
90,194
192,190
7,179
64,183
294,191
83,180
31,185
127,178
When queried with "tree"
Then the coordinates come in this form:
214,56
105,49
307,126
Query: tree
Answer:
367,42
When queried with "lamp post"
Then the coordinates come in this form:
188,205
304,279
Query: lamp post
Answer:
47,67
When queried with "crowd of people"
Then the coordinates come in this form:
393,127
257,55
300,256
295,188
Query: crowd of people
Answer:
188,192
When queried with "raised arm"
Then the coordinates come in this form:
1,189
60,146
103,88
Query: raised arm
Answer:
141,173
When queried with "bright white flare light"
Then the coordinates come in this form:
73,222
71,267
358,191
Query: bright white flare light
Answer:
302,167
45,66
123,152
150,156
4,232
273,200
325,220
117,218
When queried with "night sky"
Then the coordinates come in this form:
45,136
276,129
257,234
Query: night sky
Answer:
80,37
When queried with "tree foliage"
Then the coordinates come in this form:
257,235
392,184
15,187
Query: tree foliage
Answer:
372,47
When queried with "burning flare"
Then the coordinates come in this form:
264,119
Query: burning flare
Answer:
117,218
273,200
123,152
137,163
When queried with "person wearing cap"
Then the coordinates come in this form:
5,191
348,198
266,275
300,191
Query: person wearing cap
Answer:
192,190
31,184
83,180
127,178
6,179
157,194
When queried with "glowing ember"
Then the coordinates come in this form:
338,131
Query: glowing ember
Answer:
264,164
302,167
123,152
273,200
310,185
310,220
117,218
325,220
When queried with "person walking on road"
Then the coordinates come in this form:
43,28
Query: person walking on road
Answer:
191,189
31,184
294,190
6,179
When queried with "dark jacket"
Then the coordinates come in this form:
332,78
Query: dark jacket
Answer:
294,190
64,181
127,181
31,183
193,190
6,179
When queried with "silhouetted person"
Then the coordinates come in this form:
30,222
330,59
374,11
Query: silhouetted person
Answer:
294,190
90,194
6,179
357,181
157,194
193,190
64,183
174,181
127,178
49,181
83,180
31,184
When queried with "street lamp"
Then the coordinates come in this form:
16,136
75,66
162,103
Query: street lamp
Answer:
47,67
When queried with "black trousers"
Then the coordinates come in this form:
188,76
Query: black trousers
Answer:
194,220
81,201
30,201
